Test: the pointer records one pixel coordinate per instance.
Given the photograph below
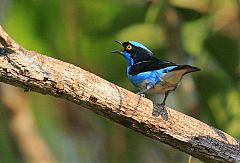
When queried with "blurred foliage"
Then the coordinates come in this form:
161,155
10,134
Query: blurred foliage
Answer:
203,33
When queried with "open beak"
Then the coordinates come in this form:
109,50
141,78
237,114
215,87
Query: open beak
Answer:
120,42
117,51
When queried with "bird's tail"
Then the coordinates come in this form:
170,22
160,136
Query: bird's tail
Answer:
187,68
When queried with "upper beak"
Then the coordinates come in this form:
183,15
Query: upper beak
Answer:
120,42
117,51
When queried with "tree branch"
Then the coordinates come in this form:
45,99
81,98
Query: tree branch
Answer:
32,71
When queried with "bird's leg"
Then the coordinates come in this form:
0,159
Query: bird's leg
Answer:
164,100
141,93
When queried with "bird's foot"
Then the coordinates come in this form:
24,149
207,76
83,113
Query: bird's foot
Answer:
141,94
162,106
160,110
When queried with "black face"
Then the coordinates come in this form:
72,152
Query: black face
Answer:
143,59
137,53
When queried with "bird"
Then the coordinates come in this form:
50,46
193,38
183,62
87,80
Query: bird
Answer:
150,74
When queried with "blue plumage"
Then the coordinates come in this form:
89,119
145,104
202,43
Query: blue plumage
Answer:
150,74
137,44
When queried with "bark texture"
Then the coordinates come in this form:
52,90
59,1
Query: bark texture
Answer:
32,71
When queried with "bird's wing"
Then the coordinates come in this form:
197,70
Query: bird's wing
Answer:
174,75
150,64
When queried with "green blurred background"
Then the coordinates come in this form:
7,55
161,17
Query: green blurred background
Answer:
204,33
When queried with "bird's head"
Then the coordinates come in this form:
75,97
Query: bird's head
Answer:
133,52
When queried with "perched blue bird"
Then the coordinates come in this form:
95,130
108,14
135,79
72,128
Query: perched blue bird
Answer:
150,74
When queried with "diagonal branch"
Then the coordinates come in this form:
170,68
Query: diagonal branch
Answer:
32,71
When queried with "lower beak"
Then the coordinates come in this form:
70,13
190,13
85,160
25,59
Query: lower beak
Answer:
117,51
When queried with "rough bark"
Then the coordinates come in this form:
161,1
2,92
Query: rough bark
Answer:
32,71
